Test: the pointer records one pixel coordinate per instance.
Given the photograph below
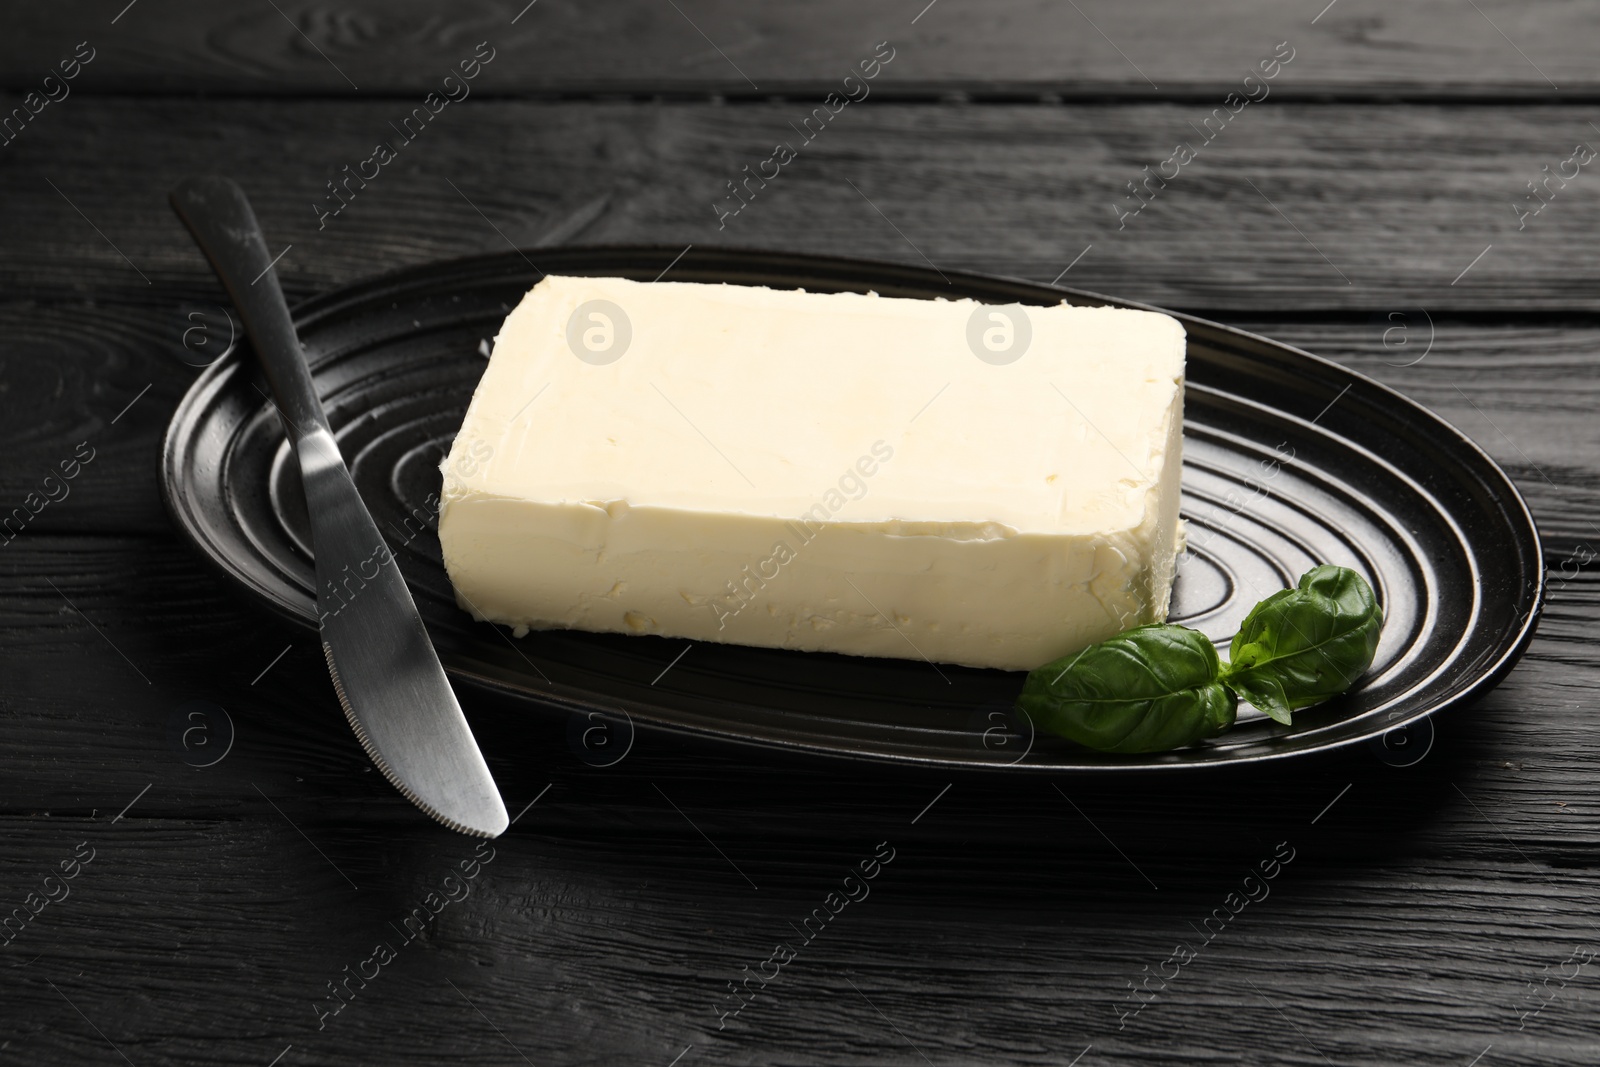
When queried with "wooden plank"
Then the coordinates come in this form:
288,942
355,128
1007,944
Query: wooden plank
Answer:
1160,47
1293,208
1422,901
88,391
1525,394
107,639
566,951
607,928
77,376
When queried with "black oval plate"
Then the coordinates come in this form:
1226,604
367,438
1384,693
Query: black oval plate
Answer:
1289,460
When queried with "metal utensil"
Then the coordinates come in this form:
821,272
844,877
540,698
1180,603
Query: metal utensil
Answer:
383,665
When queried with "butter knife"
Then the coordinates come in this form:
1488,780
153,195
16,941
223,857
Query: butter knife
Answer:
384,668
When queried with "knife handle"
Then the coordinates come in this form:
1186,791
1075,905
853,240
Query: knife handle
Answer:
219,216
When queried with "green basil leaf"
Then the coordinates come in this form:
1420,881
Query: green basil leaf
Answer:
1264,692
1304,645
1148,689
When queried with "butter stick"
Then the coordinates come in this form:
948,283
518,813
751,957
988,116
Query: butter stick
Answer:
994,486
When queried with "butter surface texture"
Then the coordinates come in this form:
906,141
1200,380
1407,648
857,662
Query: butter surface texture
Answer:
827,472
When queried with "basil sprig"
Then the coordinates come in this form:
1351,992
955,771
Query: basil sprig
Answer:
1161,686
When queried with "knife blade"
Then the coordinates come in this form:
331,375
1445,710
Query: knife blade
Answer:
383,665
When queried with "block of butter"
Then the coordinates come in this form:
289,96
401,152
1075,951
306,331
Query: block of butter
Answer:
958,482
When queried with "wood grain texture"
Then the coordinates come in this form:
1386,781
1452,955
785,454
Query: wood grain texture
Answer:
1419,904
1525,394
568,952
114,633
1359,48
86,390
1292,208
1423,902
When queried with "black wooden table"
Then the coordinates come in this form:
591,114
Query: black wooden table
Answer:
1408,193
